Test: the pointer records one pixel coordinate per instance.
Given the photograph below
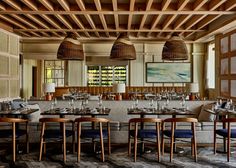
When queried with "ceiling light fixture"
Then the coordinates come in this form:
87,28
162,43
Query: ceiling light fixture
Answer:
123,48
70,49
175,49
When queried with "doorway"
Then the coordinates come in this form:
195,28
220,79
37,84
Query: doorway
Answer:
34,81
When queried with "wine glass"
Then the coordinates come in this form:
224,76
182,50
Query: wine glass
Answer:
100,103
183,102
151,103
71,104
136,103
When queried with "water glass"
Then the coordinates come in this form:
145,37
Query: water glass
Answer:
71,103
151,103
136,103
100,103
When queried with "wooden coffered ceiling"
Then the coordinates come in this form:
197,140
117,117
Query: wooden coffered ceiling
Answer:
105,19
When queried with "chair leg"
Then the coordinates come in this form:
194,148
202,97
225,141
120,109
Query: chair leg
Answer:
215,144
44,148
109,145
101,141
172,140
14,142
171,147
42,142
162,145
64,142
195,144
129,146
192,147
78,143
158,145
228,149
135,148
27,143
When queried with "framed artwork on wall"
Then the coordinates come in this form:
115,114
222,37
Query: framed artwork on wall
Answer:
171,72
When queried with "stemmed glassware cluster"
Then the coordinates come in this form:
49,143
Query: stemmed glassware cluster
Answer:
72,104
53,104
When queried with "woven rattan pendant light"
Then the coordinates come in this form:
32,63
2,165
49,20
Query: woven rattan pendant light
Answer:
70,49
175,49
123,49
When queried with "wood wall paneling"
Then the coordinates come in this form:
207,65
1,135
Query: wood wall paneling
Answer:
3,42
227,64
9,65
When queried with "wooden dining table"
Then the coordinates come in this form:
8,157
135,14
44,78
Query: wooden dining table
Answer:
62,112
17,113
166,111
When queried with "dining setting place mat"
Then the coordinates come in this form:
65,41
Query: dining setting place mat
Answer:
142,110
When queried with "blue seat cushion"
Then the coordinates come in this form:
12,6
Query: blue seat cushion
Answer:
93,133
49,134
179,133
7,133
224,132
145,133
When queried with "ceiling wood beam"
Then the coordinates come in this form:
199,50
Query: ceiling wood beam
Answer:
47,4
182,4
108,30
154,23
52,22
148,7
30,4
198,4
39,22
131,9
16,23
101,16
64,4
64,21
13,4
33,7
120,12
165,4
2,7
77,21
116,18
214,4
87,16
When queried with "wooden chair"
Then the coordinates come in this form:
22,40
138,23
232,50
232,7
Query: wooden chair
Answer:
225,132
139,132
15,133
60,134
93,133
174,133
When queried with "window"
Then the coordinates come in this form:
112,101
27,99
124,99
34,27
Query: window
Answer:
211,67
106,75
54,72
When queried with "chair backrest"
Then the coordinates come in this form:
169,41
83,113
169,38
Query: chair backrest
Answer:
60,120
142,120
12,120
91,119
191,120
229,120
